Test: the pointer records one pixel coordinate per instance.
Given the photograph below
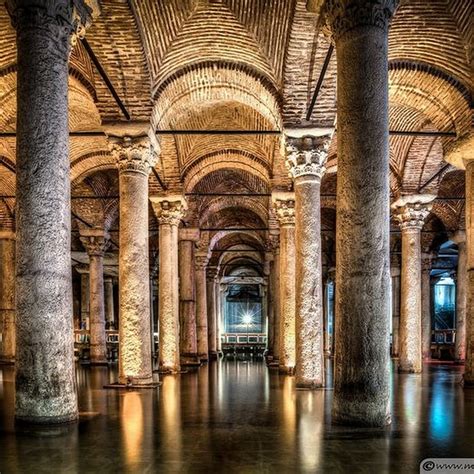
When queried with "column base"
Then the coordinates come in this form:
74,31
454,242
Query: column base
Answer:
282,369
213,355
47,420
169,370
135,381
408,370
308,385
121,386
190,360
7,360
204,357
273,363
98,362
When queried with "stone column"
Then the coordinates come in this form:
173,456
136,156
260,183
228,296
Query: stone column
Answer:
459,239
426,261
361,370
267,270
218,294
200,262
411,211
306,157
45,379
211,313
95,242
395,273
7,296
274,244
169,211
187,291
85,304
284,204
109,302
135,158
469,365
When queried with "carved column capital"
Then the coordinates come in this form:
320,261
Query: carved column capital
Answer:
307,155
61,21
95,241
284,205
343,16
411,211
133,155
200,262
169,210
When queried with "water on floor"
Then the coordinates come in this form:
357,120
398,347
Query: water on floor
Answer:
238,417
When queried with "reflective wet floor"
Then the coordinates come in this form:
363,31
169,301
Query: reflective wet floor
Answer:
238,417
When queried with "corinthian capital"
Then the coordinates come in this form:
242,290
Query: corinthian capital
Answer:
169,210
133,155
200,261
95,241
284,205
346,15
307,155
62,21
411,211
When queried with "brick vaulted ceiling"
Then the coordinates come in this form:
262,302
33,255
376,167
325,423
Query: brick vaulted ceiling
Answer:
246,64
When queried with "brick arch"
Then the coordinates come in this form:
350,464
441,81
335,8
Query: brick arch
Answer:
90,163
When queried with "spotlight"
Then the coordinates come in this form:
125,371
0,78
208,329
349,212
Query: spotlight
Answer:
247,318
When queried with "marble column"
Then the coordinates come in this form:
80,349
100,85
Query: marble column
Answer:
200,262
426,262
211,313
45,379
395,273
267,270
411,212
169,211
459,239
96,242
284,204
469,364
362,356
109,302
135,158
306,157
187,291
7,296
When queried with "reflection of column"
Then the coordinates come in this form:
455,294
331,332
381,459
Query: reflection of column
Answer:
285,209
200,261
361,368
469,367
460,344
109,302
169,212
411,212
395,272
7,296
135,158
187,293
305,160
95,242
426,260
211,313
45,379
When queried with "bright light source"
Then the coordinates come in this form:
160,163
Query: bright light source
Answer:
247,318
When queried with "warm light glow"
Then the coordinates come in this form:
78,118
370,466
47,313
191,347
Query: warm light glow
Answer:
132,416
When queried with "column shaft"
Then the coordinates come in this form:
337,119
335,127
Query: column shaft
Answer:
7,297
85,303
211,317
469,366
395,315
45,380
276,303
460,343
109,303
361,367
98,348
201,308
426,310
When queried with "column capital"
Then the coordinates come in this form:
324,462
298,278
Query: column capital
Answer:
169,210
346,15
95,241
284,205
62,21
306,155
191,234
200,261
133,154
412,210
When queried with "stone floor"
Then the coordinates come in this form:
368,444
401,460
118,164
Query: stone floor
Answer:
238,416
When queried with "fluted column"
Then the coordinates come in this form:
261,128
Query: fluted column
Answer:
7,296
135,158
187,291
284,204
459,239
200,262
45,380
109,302
169,212
361,370
469,209
306,157
426,263
411,212
96,242
211,313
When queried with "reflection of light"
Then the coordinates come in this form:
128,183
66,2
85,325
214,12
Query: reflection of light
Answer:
132,425
441,413
247,318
